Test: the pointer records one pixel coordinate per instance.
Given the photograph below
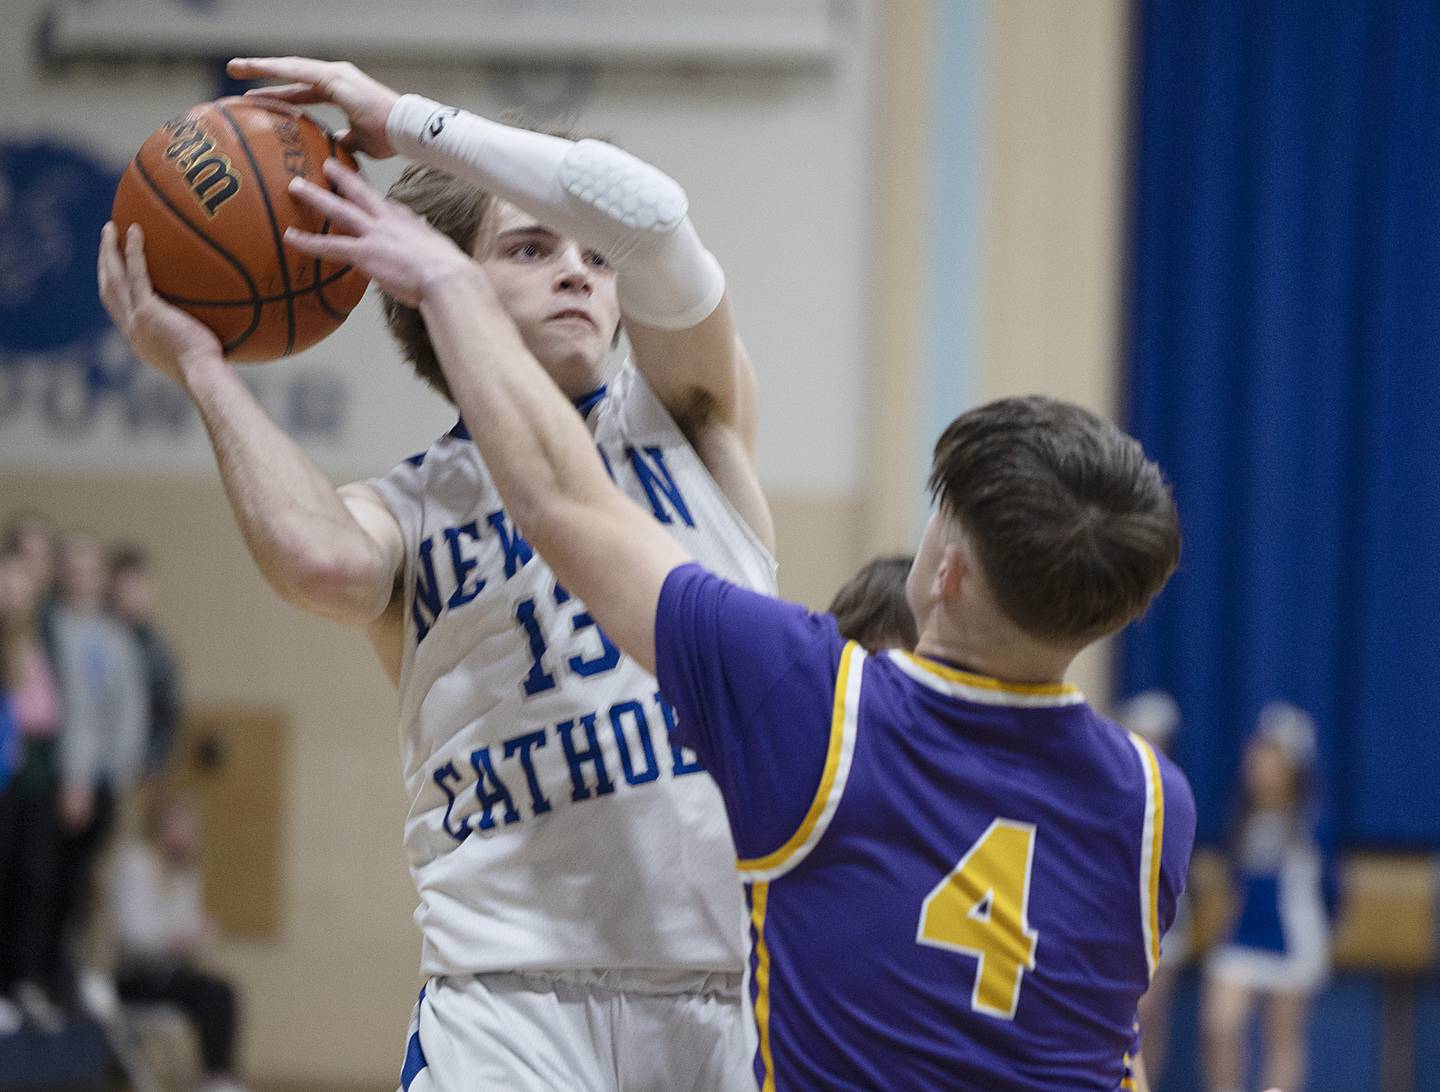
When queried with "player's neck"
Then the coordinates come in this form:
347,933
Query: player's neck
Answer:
576,377
991,645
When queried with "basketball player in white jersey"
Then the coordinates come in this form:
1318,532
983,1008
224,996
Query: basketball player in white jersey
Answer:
580,914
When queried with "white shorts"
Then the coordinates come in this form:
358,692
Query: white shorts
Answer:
579,1031
1270,972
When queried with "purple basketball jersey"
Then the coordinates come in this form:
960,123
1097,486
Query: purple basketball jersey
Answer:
953,882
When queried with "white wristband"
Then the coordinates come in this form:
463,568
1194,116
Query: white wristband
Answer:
628,211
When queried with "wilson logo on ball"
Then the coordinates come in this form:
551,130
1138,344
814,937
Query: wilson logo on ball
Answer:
192,150
292,149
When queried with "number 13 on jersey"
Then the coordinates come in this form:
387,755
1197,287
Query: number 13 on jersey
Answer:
981,909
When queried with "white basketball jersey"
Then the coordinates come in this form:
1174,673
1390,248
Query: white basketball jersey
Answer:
552,824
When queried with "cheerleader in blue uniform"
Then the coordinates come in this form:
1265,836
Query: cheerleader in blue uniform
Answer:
1277,953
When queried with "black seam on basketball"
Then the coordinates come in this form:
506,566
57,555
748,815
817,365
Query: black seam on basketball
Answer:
254,301
326,283
194,301
317,279
274,228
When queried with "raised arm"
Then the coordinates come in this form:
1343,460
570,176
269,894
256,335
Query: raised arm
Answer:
332,552
672,291
600,544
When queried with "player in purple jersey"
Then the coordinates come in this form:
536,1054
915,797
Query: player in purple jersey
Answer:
959,872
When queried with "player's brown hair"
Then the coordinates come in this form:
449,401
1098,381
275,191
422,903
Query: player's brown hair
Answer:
1074,528
456,209
871,608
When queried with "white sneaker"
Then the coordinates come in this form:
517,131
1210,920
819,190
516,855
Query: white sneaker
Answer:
11,1018
39,1009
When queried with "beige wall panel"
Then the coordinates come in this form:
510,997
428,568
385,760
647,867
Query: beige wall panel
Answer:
821,542
1054,214
234,760
898,285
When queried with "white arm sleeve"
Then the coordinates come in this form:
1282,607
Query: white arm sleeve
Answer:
628,211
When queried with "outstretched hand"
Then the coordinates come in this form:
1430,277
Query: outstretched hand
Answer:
159,333
366,101
402,253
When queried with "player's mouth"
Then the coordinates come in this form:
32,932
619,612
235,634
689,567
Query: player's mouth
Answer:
574,313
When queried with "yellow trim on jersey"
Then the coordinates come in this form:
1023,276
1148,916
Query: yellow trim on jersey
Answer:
985,682
1155,829
1127,1082
759,895
827,776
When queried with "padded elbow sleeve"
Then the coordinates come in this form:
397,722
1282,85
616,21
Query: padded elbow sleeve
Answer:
622,207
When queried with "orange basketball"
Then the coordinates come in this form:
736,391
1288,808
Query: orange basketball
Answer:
209,189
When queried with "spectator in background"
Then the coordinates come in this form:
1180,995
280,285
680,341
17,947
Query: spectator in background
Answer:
29,834
1278,949
102,746
10,1018
9,735
160,928
1154,717
31,535
872,609
132,603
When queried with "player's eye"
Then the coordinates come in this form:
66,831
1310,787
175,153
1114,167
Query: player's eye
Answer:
526,251
596,260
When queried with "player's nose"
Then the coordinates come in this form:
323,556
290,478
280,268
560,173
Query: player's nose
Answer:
573,273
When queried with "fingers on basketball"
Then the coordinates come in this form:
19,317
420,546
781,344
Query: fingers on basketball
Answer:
342,213
353,187
137,274
340,248
305,70
294,94
114,293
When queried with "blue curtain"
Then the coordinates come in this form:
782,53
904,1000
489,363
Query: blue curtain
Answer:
1284,355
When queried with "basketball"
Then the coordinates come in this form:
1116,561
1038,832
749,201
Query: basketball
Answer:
210,190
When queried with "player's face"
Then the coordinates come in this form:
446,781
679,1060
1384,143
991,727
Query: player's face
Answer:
560,294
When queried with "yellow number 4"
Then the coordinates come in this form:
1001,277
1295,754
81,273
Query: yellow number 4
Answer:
981,909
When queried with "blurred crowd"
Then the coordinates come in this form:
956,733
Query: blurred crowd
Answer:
100,894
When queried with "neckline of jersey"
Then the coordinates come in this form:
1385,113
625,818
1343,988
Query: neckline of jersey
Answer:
583,405
957,673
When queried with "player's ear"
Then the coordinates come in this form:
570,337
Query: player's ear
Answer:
949,573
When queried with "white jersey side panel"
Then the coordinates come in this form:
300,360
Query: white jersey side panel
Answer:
552,824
